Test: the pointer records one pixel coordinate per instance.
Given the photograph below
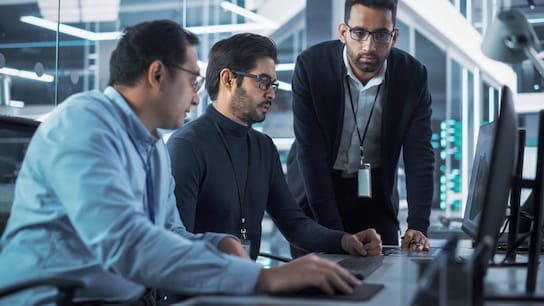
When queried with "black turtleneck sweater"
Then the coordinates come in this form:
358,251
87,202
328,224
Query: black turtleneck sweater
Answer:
209,184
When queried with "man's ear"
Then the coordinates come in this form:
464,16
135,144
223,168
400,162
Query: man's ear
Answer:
342,32
227,79
395,37
155,73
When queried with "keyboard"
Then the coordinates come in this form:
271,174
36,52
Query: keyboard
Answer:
397,251
361,267
363,292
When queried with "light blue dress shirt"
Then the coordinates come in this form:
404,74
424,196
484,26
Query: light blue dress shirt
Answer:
81,211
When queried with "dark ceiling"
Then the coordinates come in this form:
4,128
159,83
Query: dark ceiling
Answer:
23,46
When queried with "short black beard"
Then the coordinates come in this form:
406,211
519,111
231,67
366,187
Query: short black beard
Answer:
241,108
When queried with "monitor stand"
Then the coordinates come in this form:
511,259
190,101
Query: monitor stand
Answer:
512,291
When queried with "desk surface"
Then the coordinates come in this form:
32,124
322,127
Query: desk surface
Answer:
392,273
398,274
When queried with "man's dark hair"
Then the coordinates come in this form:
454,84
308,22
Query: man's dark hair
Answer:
144,43
378,4
238,52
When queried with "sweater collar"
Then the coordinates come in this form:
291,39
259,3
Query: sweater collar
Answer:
228,127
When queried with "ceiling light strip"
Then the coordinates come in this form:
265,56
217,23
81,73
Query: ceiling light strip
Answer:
27,74
285,67
249,14
70,30
77,32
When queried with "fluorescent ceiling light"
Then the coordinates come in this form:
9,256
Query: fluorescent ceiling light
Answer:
284,86
249,14
285,67
70,30
27,74
77,32
225,28
80,10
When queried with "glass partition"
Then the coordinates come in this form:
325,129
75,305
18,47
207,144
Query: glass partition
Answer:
434,59
27,62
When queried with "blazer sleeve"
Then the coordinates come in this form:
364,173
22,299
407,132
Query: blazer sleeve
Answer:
419,161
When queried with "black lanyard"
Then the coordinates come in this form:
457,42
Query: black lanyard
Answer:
148,178
361,139
241,197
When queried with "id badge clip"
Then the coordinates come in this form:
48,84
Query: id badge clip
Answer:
246,243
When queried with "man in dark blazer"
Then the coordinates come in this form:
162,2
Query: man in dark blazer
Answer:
358,102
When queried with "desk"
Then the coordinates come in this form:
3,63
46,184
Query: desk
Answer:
510,280
395,273
398,274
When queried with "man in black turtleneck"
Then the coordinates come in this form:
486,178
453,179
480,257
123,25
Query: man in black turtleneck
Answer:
227,174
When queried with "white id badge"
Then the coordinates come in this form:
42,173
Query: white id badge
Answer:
246,244
364,180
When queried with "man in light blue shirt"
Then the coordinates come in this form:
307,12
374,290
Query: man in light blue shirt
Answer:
94,198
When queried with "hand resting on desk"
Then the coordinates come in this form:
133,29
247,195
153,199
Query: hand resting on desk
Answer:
414,240
363,243
304,272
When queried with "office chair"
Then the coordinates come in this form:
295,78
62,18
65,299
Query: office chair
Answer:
18,127
15,134
65,287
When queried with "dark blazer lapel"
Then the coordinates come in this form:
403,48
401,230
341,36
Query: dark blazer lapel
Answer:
340,104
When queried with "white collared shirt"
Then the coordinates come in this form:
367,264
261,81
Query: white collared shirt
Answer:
348,158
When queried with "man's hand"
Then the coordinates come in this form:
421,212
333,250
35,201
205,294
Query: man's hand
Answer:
230,245
414,240
363,243
307,271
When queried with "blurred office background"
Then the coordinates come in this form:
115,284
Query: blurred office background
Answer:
50,49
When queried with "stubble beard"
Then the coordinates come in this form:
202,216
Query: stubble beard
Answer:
243,110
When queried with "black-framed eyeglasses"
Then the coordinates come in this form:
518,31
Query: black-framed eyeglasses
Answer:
198,81
358,34
265,81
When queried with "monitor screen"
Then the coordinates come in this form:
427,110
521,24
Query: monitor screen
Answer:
499,179
478,179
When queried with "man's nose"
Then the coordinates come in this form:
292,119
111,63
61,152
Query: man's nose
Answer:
196,99
369,43
270,94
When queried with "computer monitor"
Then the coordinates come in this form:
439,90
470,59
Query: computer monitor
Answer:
478,180
495,189
15,135
500,177
538,207
537,198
